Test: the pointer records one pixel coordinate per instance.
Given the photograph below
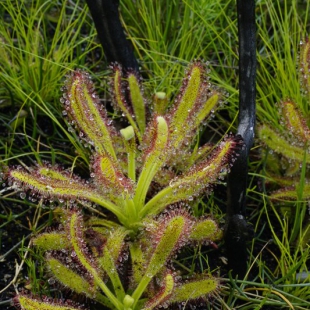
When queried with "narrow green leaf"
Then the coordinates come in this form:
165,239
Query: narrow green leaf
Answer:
109,177
290,193
304,64
137,101
170,236
168,241
120,100
56,184
205,230
128,135
75,231
164,292
87,112
154,158
33,304
193,105
206,108
109,259
138,262
160,103
18,119
102,224
75,282
200,153
295,123
193,290
115,242
280,145
197,179
184,106
51,241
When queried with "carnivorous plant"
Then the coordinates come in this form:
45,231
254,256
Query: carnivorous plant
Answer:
145,174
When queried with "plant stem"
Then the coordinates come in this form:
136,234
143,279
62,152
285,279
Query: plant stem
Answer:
236,226
111,33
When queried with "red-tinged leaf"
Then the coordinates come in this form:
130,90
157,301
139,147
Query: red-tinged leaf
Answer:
191,104
154,156
86,112
137,100
194,289
51,183
163,294
199,178
295,122
119,100
109,178
45,303
290,193
304,64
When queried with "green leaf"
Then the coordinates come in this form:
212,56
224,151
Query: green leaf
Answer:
205,230
290,193
51,241
206,108
33,304
18,119
87,112
197,179
160,103
280,145
69,278
109,259
304,64
127,133
295,123
168,240
169,237
193,289
137,101
154,158
138,262
191,88
120,100
75,282
61,185
164,292
75,231
109,177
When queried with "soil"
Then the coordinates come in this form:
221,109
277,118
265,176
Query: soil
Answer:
11,235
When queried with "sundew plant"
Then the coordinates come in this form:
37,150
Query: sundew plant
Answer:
288,154
292,142
144,175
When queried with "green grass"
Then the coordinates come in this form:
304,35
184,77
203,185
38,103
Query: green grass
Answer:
281,27
40,41
166,38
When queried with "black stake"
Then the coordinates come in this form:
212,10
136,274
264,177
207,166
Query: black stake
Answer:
236,232
111,33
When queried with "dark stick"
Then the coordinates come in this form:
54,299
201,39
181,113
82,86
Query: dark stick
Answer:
236,232
111,33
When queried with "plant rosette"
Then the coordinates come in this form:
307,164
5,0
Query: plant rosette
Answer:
152,165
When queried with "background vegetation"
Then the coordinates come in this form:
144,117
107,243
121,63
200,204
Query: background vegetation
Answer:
40,41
